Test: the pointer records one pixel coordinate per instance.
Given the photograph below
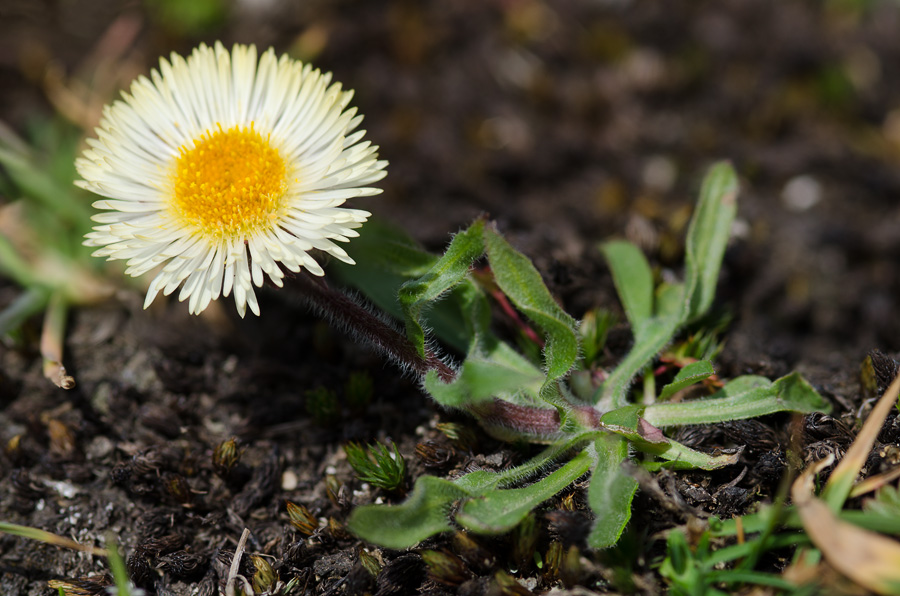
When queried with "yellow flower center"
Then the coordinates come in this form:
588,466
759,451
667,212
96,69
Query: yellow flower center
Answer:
229,183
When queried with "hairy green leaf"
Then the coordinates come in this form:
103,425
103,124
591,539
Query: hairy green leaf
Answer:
480,378
423,514
499,511
681,457
385,259
610,492
446,273
522,283
744,397
656,333
426,511
687,376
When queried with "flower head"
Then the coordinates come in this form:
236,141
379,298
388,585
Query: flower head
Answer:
221,169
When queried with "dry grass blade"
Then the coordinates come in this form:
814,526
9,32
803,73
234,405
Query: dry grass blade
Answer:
230,587
48,538
844,475
873,483
869,559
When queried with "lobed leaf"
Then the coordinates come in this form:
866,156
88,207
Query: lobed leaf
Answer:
385,259
481,379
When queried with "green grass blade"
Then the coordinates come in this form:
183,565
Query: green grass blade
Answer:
28,303
34,183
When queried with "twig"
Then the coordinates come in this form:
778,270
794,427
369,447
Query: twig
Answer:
236,563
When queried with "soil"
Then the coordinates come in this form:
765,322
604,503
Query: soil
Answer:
568,122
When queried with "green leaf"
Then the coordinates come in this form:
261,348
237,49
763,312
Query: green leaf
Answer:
522,283
634,280
610,493
707,237
480,379
655,335
744,397
687,376
446,273
386,258
625,417
61,200
681,457
499,511
388,249
32,301
423,514
426,511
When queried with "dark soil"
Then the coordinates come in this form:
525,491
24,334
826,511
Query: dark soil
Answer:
568,122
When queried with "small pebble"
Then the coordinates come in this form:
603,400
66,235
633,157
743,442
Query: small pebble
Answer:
801,193
289,480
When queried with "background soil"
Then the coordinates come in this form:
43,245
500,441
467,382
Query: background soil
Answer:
568,122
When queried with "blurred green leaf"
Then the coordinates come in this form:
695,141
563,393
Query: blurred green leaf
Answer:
634,281
610,492
188,18
707,237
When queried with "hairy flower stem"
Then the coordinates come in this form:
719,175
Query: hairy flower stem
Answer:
349,315
503,419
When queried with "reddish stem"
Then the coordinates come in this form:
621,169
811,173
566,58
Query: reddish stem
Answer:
354,318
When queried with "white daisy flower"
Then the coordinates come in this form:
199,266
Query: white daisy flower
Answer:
221,169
